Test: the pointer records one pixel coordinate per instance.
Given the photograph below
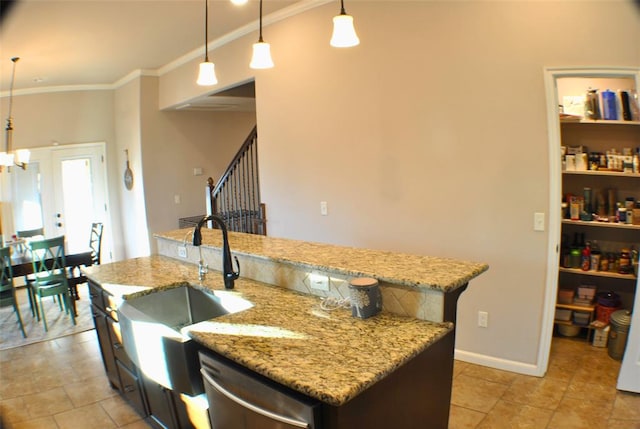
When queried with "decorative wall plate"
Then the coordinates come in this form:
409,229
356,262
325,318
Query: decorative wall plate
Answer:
128,173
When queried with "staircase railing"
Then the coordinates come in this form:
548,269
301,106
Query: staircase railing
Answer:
236,196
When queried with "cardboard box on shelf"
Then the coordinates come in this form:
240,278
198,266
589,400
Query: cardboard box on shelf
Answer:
565,296
600,337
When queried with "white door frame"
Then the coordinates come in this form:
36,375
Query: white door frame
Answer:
551,74
44,155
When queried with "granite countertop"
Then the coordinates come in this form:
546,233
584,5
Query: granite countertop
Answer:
445,274
328,355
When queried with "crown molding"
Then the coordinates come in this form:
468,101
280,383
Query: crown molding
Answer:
272,18
279,15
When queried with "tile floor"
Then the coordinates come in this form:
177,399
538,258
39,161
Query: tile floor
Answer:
60,384
577,392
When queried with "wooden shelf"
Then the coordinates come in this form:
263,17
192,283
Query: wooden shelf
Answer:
599,122
602,173
598,273
579,308
597,224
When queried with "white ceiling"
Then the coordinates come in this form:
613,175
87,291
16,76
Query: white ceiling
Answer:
99,42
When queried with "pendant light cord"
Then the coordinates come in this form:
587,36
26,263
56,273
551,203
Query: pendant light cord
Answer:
9,130
13,78
206,30
260,38
342,11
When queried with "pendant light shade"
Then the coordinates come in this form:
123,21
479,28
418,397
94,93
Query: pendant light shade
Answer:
261,58
344,33
207,72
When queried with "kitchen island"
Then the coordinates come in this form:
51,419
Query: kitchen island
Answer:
369,373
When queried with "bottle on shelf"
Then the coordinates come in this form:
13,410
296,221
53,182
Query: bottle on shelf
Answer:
585,261
596,254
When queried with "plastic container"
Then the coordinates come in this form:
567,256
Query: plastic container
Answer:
608,302
586,292
580,318
609,107
563,314
569,330
619,332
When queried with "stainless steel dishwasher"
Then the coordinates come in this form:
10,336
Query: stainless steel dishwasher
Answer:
241,399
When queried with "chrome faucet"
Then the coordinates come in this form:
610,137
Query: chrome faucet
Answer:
227,267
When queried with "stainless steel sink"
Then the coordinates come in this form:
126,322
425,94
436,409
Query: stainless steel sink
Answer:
154,330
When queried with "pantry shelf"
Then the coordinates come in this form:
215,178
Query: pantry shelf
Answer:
602,173
597,224
598,273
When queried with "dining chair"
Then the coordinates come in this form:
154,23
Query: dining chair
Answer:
31,234
74,275
7,288
95,241
49,268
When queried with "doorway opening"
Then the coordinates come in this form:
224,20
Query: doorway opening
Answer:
63,190
565,86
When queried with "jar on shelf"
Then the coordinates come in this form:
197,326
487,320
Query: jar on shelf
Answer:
624,264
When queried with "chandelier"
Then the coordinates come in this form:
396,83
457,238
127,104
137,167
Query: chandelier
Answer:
21,156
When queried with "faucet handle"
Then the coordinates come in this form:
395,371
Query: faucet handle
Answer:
236,274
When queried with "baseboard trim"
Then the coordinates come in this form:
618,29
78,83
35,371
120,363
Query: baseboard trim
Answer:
498,363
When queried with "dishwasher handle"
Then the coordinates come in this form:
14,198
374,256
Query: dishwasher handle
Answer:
250,406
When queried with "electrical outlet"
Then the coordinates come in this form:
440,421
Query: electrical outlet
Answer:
319,282
182,251
483,319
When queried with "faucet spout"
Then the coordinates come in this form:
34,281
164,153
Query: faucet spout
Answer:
228,274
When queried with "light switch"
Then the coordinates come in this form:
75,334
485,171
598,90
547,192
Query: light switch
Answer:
538,221
324,210
197,171
176,199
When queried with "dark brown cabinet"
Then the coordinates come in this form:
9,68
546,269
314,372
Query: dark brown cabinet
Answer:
121,372
162,407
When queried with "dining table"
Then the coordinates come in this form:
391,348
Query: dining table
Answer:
22,265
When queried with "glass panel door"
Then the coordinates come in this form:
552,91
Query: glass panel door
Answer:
80,194
27,189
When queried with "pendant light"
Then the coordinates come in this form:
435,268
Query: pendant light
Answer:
261,58
344,34
21,157
207,74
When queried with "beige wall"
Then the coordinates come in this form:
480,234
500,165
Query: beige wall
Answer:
430,137
128,128
41,120
176,142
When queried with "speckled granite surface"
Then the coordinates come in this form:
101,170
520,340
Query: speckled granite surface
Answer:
399,268
285,336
